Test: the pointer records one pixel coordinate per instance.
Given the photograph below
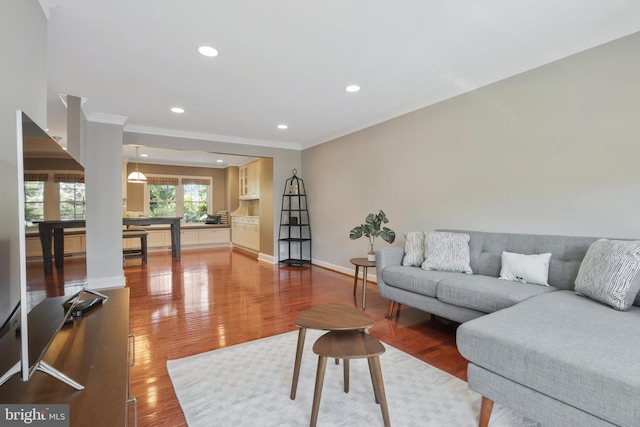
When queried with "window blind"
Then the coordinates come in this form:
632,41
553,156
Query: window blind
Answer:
69,177
36,177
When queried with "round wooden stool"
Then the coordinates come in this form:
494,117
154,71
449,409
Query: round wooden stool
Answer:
328,317
348,345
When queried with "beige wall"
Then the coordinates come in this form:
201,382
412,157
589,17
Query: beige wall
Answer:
232,188
135,192
551,151
266,206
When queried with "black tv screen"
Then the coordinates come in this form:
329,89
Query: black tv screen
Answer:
19,297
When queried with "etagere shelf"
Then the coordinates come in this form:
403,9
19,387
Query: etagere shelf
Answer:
294,246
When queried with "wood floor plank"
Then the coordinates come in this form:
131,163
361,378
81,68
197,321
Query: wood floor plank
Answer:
217,297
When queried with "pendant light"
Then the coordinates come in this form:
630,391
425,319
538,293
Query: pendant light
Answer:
137,177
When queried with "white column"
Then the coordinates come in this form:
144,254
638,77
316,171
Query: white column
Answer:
103,181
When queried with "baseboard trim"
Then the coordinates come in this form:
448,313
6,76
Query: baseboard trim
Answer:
107,283
371,272
270,259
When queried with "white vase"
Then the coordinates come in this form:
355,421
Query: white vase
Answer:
371,256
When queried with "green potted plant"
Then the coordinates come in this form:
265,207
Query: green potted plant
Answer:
372,228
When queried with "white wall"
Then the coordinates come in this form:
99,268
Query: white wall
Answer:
23,86
551,151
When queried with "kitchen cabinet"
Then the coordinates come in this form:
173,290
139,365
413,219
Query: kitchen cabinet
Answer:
245,232
249,184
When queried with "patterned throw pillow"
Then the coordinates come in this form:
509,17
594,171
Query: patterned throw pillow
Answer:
223,216
413,248
609,271
447,251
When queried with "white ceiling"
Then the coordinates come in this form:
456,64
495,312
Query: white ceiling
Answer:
289,61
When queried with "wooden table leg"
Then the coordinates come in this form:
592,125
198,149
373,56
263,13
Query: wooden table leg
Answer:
380,387
485,412
317,394
296,367
58,247
345,374
44,232
373,380
355,281
364,288
175,239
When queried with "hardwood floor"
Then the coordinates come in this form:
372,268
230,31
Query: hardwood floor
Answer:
216,297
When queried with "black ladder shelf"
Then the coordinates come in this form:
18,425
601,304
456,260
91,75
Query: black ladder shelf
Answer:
294,245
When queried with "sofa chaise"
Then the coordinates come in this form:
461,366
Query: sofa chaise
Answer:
559,358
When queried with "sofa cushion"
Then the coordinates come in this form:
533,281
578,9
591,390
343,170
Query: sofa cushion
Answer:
446,251
415,279
485,250
486,294
413,249
565,346
608,271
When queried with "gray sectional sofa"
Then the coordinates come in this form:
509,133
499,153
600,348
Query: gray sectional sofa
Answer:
558,358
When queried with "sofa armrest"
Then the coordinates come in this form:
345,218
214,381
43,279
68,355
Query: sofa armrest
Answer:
387,257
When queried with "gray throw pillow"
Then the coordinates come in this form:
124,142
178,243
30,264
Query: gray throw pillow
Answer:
609,271
447,251
413,248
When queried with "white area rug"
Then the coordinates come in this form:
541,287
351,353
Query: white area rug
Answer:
249,385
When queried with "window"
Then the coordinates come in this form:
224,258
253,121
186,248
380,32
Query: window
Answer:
72,195
162,196
34,197
195,192
186,197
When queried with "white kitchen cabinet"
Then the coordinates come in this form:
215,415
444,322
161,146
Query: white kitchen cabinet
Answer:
73,244
250,181
214,236
158,238
189,237
245,232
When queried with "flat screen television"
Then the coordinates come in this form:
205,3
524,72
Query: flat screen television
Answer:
27,321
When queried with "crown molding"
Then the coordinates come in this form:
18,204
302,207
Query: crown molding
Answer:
110,119
210,137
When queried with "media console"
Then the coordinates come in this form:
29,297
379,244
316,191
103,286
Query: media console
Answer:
94,350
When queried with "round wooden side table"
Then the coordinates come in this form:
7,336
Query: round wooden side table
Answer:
348,345
328,317
365,264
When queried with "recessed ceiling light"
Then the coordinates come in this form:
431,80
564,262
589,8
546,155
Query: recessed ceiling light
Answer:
208,51
144,155
282,126
352,88
220,161
177,110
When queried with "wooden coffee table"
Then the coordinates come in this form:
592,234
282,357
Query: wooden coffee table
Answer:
348,345
327,317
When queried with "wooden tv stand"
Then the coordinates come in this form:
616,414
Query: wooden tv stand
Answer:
94,351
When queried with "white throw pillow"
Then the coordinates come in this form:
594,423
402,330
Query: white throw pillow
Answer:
609,273
413,248
447,251
525,268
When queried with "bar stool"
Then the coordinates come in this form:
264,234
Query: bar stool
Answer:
141,252
348,345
